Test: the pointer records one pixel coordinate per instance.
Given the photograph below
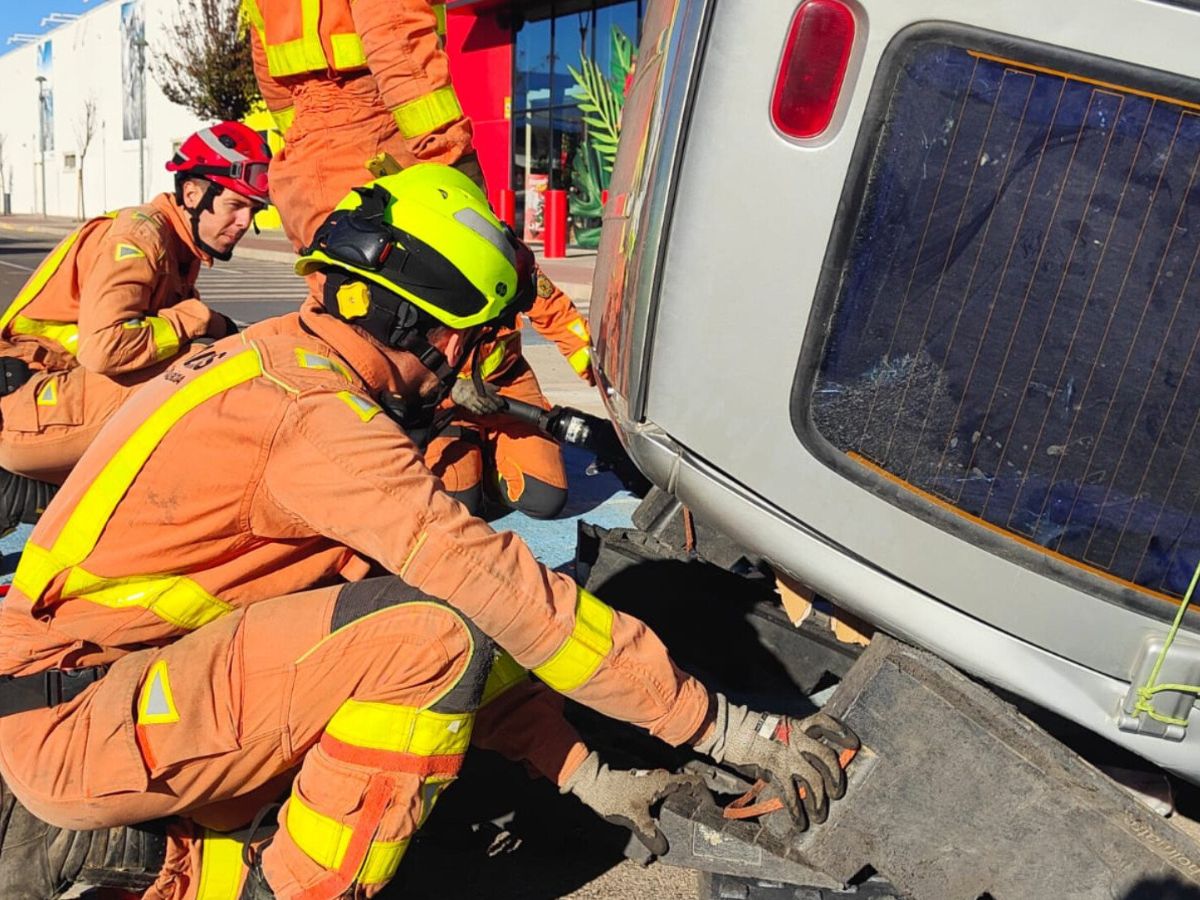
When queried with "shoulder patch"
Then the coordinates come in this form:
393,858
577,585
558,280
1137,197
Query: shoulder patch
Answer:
363,408
309,360
545,287
128,251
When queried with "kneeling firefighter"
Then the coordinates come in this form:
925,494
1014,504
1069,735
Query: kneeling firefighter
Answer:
208,648
112,306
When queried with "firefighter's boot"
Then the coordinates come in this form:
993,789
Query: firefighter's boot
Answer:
22,500
255,886
39,861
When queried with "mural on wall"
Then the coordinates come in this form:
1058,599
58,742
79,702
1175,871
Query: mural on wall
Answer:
601,99
45,69
133,70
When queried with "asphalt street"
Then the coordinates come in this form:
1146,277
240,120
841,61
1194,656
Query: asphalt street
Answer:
498,835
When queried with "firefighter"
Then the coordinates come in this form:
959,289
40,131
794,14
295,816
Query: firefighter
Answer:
112,306
345,81
180,599
524,465
348,81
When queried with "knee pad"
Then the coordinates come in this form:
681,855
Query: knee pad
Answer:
373,594
538,500
471,498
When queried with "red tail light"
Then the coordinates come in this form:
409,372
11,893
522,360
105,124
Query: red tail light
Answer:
813,67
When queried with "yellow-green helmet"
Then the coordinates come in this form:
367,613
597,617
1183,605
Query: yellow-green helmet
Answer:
425,235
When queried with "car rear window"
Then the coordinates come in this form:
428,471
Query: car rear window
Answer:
1015,336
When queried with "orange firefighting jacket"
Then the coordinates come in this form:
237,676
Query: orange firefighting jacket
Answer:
263,466
557,319
397,42
117,294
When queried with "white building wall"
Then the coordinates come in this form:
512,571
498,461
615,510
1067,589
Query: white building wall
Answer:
86,62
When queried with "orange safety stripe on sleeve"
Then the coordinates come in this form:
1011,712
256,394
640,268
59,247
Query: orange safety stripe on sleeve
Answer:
580,655
39,565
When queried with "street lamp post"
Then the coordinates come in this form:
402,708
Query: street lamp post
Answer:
141,45
41,83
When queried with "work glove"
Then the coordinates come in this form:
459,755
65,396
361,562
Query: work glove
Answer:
798,758
625,796
464,394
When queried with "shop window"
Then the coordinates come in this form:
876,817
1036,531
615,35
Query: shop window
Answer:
572,65
69,162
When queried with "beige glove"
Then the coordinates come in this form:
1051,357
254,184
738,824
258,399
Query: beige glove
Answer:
787,753
464,394
625,796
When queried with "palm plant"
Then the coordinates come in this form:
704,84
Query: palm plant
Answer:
601,100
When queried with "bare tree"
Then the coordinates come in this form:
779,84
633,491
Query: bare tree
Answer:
205,64
85,130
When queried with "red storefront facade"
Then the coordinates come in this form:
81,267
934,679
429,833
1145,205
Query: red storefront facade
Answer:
522,70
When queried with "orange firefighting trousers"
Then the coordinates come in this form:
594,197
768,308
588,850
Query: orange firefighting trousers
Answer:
47,423
339,125
366,692
528,464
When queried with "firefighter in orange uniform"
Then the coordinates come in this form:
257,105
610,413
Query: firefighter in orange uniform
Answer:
346,82
157,599
525,465
112,306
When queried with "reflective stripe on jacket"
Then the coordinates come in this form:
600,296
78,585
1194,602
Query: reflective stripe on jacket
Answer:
261,467
399,41
118,293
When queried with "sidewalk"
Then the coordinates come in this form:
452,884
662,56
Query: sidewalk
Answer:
573,274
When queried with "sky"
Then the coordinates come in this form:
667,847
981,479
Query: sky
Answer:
26,15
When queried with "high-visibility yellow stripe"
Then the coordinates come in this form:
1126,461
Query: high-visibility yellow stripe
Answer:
580,655
48,395
348,52
220,866
44,272
284,118
581,359
306,359
174,598
495,357
401,729
363,408
428,113
439,11
39,566
162,333
324,841
65,334
506,672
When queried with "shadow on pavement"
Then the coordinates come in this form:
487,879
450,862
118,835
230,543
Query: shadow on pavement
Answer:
497,834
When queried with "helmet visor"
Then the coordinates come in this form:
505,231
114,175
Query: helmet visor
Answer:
253,175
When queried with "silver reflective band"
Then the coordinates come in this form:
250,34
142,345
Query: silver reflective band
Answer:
486,230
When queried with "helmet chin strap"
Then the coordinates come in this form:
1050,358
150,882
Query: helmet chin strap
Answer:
205,205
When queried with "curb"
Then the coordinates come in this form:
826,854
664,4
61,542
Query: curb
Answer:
50,230
262,253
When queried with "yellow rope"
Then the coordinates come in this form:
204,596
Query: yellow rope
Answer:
1145,701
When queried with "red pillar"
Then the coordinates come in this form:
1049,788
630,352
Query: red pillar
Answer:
556,224
508,207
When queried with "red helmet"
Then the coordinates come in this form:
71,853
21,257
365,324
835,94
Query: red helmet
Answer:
228,154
